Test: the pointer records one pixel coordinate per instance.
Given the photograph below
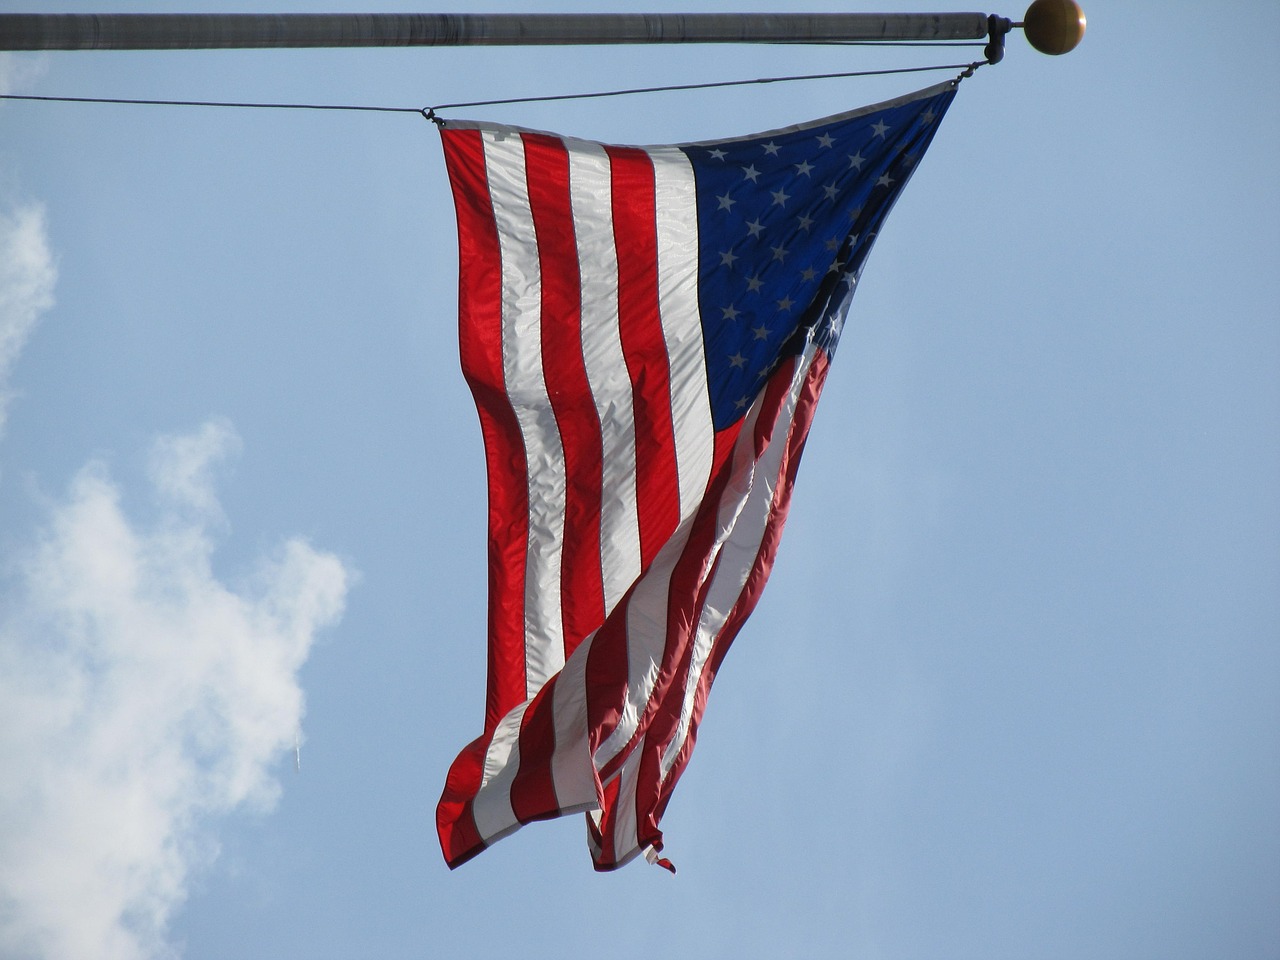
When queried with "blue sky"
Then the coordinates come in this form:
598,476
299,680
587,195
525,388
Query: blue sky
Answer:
1014,688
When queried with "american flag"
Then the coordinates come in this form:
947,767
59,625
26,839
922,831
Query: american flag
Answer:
646,332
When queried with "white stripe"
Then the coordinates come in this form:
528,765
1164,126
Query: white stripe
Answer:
745,509
743,520
676,203
606,366
491,807
572,775
677,227
647,617
646,637
592,847
625,844
527,391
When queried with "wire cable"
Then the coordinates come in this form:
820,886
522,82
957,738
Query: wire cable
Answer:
967,69
210,103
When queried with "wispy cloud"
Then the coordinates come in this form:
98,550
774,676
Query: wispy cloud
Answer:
20,71
27,277
27,271
140,698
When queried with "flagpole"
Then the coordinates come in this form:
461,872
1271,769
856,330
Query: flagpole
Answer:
1051,26
150,31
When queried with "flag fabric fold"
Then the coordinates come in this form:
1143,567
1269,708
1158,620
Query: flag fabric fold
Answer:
646,332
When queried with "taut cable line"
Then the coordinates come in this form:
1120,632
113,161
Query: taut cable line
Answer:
968,69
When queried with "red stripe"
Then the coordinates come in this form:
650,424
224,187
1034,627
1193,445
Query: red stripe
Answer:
668,701
776,391
455,825
683,602
533,793
581,584
604,836
689,593
480,338
635,233
653,796
644,349
606,674
594,837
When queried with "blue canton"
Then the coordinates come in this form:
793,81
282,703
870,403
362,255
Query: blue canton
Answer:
785,223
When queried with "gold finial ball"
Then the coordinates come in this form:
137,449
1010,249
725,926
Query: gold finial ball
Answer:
1054,26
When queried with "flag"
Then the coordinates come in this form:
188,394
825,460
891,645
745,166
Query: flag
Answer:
646,332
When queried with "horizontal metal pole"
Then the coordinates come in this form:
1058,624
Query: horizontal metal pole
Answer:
189,31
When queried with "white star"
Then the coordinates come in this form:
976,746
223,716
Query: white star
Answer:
928,116
741,404
831,190
808,274
805,223
855,213
771,148
754,228
779,253
727,257
880,127
857,160
785,304
833,244
835,267
751,173
737,361
725,201
761,332
804,167
851,279
717,154
826,140
884,181
754,284
730,313
780,197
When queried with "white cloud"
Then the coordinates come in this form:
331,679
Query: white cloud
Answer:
140,698
27,272
27,276
19,71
